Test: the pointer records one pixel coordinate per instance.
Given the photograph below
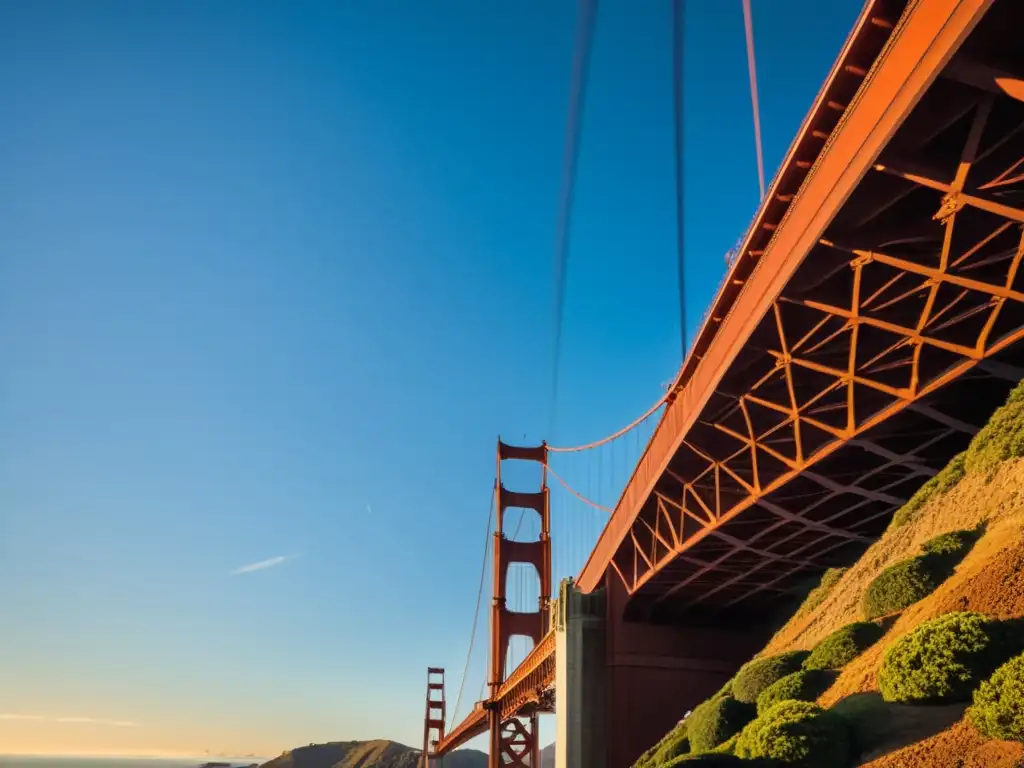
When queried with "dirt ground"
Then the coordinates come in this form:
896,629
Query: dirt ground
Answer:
957,747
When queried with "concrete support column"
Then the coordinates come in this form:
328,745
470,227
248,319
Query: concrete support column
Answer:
581,721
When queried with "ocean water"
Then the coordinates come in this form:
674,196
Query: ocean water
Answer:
33,761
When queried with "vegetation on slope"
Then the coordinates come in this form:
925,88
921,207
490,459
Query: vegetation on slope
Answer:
716,721
944,659
817,596
805,685
844,645
954,641
755,676
998,710
797,733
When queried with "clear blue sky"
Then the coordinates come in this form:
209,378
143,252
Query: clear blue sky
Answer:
273,277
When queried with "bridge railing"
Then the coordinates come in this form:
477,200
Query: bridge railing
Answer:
472,726
534,674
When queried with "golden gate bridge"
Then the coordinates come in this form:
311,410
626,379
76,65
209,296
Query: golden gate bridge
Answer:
869,322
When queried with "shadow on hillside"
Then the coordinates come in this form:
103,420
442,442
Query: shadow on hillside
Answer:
880,727
886,622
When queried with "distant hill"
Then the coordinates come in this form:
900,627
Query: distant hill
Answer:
368,754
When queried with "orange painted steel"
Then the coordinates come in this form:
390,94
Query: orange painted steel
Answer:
475,724
529,681
514,740
509,713
524,690
434,719
886,68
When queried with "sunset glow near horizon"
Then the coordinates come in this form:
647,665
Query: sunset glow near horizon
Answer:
275,277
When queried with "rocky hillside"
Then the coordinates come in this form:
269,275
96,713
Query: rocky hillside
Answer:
368,754
912,657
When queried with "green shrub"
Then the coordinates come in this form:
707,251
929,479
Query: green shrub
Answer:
805,685
900,585
725,690
797,733
757,675
717,720
943,660
709,760
726,747
1001,438
843,646
998,710
817,595
675,743
953,544
937,486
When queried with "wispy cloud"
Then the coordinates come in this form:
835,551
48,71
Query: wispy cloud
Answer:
80,720
368,509
262,565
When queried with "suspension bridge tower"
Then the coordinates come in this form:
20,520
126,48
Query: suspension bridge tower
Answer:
514,741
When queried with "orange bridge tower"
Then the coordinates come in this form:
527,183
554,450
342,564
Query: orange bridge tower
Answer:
514,742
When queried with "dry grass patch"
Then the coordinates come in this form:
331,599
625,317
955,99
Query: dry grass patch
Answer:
975,500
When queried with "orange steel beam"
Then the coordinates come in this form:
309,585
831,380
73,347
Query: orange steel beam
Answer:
817,177
523,689
475,724
528,682
933,301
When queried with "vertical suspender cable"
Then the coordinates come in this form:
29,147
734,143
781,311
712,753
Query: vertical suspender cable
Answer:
748,24
479,600
678,28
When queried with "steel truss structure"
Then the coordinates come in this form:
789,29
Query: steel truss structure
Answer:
882,355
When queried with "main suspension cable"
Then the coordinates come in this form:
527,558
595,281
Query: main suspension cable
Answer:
479,599
570,159
632,425
573,130
677,73
576,493
678,28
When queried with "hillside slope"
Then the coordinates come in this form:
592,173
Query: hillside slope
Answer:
368,754
983,491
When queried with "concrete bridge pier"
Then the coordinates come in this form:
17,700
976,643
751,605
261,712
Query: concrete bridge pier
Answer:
622,685
580,678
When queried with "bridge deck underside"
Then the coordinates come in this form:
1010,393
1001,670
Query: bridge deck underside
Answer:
889,347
